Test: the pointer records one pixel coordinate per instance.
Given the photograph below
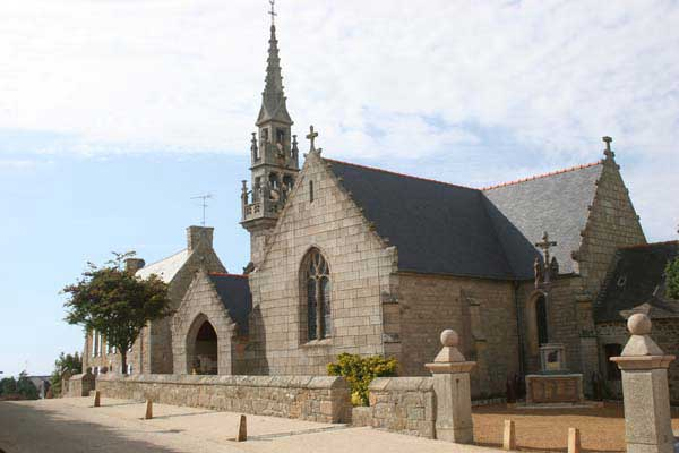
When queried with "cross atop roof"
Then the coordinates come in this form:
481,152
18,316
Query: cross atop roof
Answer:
272,13
312,136
607,152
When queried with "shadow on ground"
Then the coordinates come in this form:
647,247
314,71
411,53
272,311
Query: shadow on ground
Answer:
38,428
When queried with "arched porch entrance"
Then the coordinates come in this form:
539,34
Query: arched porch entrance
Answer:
202,348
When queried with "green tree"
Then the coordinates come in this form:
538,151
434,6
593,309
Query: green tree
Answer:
672,275
116,303
8,386
65,362
26,388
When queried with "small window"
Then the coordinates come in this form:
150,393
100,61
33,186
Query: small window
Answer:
612,350
311,191
280,136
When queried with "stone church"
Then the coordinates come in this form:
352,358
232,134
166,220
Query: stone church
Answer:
347,258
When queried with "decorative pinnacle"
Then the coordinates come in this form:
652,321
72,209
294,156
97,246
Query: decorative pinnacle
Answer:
607,152
272,13
312,137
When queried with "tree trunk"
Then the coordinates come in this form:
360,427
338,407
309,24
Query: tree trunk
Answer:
123,360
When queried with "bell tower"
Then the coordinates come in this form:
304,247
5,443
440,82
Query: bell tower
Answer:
274,155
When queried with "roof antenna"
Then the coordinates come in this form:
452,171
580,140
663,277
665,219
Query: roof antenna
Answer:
204,204
272,13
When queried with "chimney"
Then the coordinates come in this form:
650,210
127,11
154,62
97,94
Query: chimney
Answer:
196,234
132,265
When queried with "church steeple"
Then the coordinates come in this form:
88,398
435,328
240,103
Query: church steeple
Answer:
273,97
274,155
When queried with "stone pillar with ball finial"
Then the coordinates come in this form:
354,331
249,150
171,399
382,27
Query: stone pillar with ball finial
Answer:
645,387
451,374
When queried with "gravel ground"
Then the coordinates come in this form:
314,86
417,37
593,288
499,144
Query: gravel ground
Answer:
602,430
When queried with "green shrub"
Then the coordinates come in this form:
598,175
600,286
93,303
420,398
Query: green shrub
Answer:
672,275
360,371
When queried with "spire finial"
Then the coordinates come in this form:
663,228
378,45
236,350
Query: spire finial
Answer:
312,137
607,152
272,12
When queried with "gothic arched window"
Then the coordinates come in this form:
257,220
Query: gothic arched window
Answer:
317,285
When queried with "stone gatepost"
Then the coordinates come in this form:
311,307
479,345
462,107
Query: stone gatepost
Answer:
452,386
646,390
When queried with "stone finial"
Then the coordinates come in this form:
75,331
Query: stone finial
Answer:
640,342
449,352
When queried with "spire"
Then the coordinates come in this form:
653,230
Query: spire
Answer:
273,98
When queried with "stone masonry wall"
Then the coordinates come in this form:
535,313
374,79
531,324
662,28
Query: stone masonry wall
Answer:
359,265
80,385
202,303
404,405
665,333
483,312
321,399
612,223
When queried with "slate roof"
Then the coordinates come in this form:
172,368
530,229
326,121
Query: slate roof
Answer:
167,268
556,203
631,283
436,227
234,291
446,229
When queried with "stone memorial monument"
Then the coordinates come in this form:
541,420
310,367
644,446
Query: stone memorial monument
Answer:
554,383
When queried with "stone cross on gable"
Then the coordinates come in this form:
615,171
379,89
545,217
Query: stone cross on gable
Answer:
545,245
607,152
312,136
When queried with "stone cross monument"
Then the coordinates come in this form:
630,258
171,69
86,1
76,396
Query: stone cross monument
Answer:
646,390
453,392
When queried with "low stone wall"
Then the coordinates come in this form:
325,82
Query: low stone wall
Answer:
80,385
405,405
322,399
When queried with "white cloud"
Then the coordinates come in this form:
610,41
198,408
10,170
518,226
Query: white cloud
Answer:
496,86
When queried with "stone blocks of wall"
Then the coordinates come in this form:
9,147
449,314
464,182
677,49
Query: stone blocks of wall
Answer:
359,262
81,385
483,312
321,399
405,405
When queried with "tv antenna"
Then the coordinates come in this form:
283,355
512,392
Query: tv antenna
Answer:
204,204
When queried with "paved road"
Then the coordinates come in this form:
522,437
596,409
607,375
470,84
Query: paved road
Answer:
72,426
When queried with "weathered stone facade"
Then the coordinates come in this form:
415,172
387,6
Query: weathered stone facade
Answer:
321,399
360,264
201,304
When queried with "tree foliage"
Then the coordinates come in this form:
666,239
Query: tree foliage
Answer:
22,388
116,303
360,371
672,276
65,362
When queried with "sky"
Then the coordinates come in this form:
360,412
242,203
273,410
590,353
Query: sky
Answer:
115,113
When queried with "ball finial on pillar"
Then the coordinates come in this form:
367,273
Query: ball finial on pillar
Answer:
639,324
449,338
